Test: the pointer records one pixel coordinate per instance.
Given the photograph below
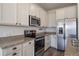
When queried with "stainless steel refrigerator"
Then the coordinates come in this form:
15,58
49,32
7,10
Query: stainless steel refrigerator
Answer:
66,29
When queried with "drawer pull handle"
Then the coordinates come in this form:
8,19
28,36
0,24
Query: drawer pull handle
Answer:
14,48
16,23
29,42
14,54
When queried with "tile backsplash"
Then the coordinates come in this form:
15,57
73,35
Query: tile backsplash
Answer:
53,29
6,31
11,31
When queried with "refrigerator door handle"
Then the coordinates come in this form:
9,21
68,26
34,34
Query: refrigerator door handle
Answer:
64,37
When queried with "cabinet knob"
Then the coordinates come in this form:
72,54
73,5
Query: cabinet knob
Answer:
14,48
29,42
14,54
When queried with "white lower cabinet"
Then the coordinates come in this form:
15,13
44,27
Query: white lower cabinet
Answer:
16,53
12,51
23,49
47,42
53,41
28,48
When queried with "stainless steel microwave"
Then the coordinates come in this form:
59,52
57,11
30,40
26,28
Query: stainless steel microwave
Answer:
34,21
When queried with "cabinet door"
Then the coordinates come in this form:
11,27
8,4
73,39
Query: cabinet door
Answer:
46,19
53,41
9,13
0,13
43,17
32,9
60,14
78,11
37,11
28,48
70,12
23,14
47,42
52,19
78,19
31,49
44,22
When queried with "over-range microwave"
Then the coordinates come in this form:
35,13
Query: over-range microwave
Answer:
34,21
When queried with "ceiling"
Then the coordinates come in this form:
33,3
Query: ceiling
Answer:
49,6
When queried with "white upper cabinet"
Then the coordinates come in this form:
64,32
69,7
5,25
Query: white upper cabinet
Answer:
52,18
60,13
0,13
23,14
43,17
46,19
37,11
78,11
66,12
9,13
34,10
70,12
78,19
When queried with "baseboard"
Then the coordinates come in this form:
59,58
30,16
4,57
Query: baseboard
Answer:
54,48
58,49
61,50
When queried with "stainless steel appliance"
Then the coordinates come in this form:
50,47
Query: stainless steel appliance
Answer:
39,45
34,21
30,33
66,29
39,41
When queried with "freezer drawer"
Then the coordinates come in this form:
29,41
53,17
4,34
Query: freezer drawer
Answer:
60,43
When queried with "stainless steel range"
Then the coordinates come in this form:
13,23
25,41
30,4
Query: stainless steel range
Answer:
39,45
39,41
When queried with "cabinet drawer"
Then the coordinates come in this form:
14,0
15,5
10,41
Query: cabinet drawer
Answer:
16,53
9,50
31,43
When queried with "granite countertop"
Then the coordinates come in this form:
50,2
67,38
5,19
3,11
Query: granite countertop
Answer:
13,40
71,50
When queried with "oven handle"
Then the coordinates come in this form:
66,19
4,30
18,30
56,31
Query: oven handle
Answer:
39,39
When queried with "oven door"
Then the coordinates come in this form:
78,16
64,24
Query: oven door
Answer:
39,45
